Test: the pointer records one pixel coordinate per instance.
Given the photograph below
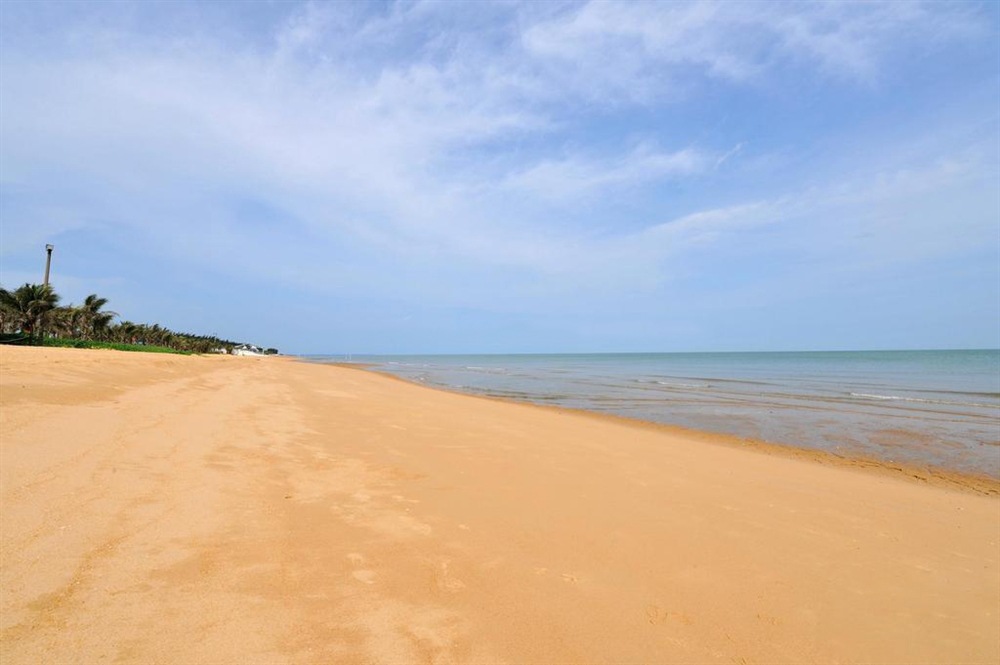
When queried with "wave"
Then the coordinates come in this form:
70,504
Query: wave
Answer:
873,396
489,370
675,384
709,380
901,398
958,392
682,385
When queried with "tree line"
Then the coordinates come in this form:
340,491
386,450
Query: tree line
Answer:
31,314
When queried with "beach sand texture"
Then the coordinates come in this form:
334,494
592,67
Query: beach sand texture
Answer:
173,509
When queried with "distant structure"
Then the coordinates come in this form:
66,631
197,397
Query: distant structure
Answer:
247,350
48,263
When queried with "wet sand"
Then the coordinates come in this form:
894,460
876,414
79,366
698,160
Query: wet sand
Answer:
160,508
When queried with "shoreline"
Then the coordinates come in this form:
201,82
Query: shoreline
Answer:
971,482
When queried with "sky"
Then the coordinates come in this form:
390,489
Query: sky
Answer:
445,177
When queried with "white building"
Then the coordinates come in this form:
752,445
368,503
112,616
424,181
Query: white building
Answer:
247,350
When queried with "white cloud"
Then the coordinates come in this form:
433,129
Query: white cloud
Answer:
882,217
574,177
644,50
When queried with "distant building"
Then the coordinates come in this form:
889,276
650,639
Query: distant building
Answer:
247,350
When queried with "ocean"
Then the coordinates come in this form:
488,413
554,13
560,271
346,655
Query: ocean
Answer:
928,408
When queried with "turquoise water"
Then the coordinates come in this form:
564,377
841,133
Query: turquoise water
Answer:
930,408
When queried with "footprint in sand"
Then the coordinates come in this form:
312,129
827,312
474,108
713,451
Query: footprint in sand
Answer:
366,576
362,575
569,578
657,614
446,581
402,499
768,619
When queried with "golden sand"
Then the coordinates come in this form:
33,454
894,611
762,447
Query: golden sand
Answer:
174,509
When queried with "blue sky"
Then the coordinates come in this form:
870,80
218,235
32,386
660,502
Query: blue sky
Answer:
538,177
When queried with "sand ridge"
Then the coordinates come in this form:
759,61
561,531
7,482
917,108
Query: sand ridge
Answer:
210,509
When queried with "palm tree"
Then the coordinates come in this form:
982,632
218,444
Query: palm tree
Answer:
96,322
28,306
155,334
64,321
123,332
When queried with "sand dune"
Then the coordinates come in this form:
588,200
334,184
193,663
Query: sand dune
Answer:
221,510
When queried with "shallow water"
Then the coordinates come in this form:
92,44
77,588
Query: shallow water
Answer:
933,408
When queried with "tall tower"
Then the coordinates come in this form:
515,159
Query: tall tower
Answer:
48,262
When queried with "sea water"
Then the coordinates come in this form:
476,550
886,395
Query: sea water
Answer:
928,408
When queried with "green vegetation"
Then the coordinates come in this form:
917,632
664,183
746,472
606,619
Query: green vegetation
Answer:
30,315
27,309
117,346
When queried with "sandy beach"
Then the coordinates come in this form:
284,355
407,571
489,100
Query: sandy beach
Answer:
174,509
